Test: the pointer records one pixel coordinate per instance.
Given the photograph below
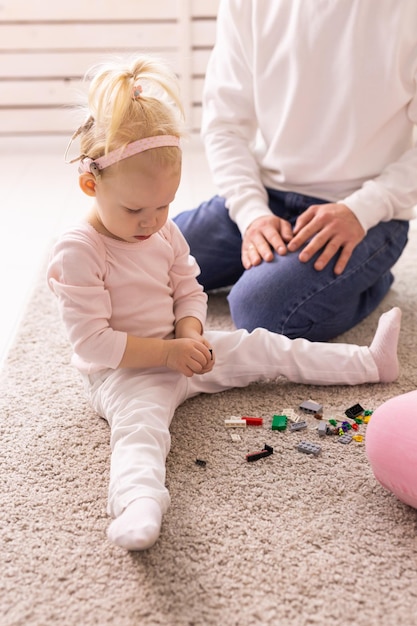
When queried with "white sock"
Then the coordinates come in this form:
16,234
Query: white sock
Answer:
138,527
384,345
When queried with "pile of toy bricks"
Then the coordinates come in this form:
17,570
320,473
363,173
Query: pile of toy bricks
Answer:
346,429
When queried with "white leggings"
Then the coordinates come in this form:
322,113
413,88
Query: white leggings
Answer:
139,404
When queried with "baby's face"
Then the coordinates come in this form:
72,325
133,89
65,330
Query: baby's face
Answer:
132,201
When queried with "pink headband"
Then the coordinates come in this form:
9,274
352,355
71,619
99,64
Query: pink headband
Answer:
158,141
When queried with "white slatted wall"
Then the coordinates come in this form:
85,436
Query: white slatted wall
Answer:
46,47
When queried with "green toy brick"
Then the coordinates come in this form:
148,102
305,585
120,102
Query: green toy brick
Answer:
279,422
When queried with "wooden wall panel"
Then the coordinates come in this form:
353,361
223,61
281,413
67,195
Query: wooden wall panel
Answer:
46,48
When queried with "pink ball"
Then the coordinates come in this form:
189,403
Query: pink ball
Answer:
391,446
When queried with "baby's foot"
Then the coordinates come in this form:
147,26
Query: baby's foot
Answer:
138,527
384,345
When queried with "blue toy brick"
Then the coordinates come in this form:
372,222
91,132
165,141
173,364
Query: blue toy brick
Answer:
309,448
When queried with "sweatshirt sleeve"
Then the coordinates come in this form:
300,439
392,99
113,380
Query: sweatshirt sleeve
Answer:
75,276
229,118
391,195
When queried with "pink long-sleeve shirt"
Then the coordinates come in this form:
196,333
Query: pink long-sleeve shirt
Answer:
108,289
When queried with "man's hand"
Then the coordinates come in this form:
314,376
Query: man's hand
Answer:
333,227
264,236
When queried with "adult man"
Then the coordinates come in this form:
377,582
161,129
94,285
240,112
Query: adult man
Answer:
309,112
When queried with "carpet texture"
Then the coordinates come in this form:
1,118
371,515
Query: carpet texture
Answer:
288,540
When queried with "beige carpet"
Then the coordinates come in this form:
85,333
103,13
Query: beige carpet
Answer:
288,540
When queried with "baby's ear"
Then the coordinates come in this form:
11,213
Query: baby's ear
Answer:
88,183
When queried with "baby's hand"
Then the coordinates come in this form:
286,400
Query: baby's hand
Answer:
189,356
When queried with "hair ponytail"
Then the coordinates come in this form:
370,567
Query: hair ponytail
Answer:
128,101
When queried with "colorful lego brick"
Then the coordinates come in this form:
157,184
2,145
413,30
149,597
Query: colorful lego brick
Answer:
354,411
309,448
253,421
260,454
309,406
346,438
358,437
298,426
279,422
234,422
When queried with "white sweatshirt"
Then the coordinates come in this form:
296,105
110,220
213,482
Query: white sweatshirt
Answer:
108,289
317,97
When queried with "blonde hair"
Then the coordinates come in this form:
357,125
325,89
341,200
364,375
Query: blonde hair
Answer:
130,100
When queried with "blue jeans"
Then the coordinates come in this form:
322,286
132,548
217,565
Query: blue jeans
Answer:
285,295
